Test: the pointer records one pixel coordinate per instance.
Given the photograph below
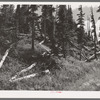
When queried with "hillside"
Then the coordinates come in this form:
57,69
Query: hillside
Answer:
48,51
70,74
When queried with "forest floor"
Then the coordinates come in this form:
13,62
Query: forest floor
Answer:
73,75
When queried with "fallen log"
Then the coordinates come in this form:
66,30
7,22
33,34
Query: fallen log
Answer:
24,70
4,57
24,77
28,76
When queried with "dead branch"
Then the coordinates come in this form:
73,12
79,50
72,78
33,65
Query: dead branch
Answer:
93,56
74,45
41,42
86,48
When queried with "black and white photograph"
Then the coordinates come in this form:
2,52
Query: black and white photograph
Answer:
50,47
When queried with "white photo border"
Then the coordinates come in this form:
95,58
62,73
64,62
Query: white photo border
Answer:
50,94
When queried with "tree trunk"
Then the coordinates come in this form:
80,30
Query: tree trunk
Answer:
80,51
68,46
17,26
44,28
63,48
33,34
95,47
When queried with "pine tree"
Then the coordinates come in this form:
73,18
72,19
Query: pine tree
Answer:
17,16
98,10
50,27
80,17
62,28
7,16
70,18
43,23
80,29
94,32
23,18
33,17
7,12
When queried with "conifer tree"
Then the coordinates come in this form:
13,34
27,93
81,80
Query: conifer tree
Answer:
7,12
94,32
70,18
33,17
98,10
17,16
43,23
80,29
23,18
48,25
62,28
80,16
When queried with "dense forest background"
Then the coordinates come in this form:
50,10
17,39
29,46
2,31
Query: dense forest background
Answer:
52,42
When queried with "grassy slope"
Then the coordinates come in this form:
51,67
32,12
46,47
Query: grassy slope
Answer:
74,75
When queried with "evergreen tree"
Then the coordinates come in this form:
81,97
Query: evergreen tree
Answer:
17,17
43,22
80,17
4,13
62,28
23,18
50,26
70,18
33,17
80,29
94,32
98,10
7,15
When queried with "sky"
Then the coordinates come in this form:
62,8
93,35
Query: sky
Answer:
74,5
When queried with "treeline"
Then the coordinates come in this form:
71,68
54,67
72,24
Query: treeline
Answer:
53,24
